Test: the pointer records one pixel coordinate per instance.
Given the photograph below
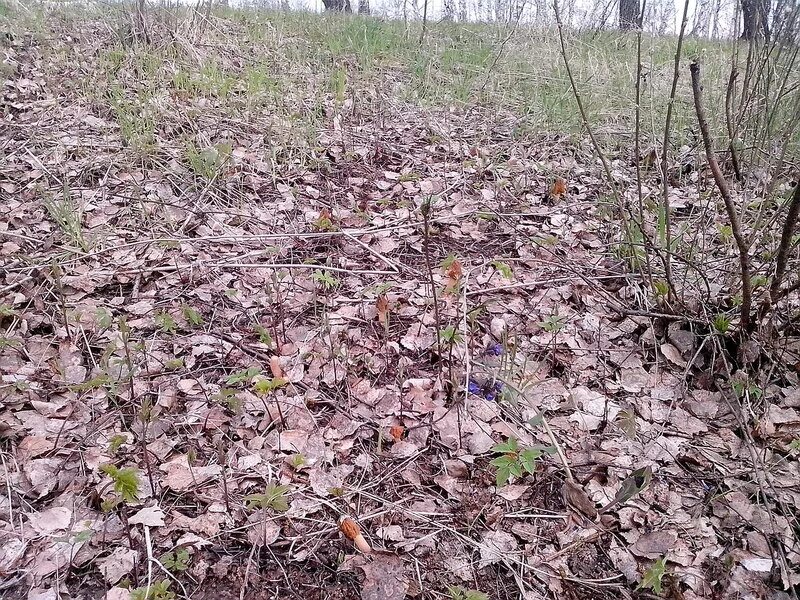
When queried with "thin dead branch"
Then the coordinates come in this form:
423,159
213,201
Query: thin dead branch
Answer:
665,206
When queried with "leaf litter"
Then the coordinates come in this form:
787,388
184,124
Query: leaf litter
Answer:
231,365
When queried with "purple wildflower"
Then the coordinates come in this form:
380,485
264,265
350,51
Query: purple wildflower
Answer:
494,349
473,387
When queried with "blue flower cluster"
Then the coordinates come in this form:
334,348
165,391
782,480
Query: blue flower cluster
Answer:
494,349
488,390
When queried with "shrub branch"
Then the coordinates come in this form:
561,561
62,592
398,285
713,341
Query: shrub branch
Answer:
746,323
786,243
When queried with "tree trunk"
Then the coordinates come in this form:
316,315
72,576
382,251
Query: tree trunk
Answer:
448,11
629,14
363,7
755,23
338,5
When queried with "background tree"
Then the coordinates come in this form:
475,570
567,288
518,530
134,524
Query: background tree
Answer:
755,23
449,10
340,5
363,7
629,13
702,18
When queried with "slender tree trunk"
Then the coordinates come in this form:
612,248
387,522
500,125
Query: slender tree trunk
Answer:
702,14
424,22
448,11
338,5
755,19
628,14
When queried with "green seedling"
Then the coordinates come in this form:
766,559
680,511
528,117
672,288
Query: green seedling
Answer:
157,591
177,560
115,443
165,321
502,268
263,335
273,498
173,364
457,592
297,461
553,323
653,576
228,397
722,323
515,460
325,279
191,315
126,481
267,385
242,376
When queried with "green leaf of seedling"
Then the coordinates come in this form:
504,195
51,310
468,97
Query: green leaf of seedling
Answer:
191,315
158,590
503,269
502,476
528,457
536,420
92,384
126,481
176,561
503,462
104,318
274,497
83,535
115,443
242,376
266,385
510,445
228,397
325,279
165,321
263,335
653,576
450,334
457,592
173,364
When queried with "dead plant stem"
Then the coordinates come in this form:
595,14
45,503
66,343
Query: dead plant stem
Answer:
637,144
665,156
426,241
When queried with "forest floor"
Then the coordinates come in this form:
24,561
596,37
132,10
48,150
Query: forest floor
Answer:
225,326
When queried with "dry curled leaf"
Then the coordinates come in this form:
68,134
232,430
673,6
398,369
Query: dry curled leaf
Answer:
352,532
385,579
577,498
